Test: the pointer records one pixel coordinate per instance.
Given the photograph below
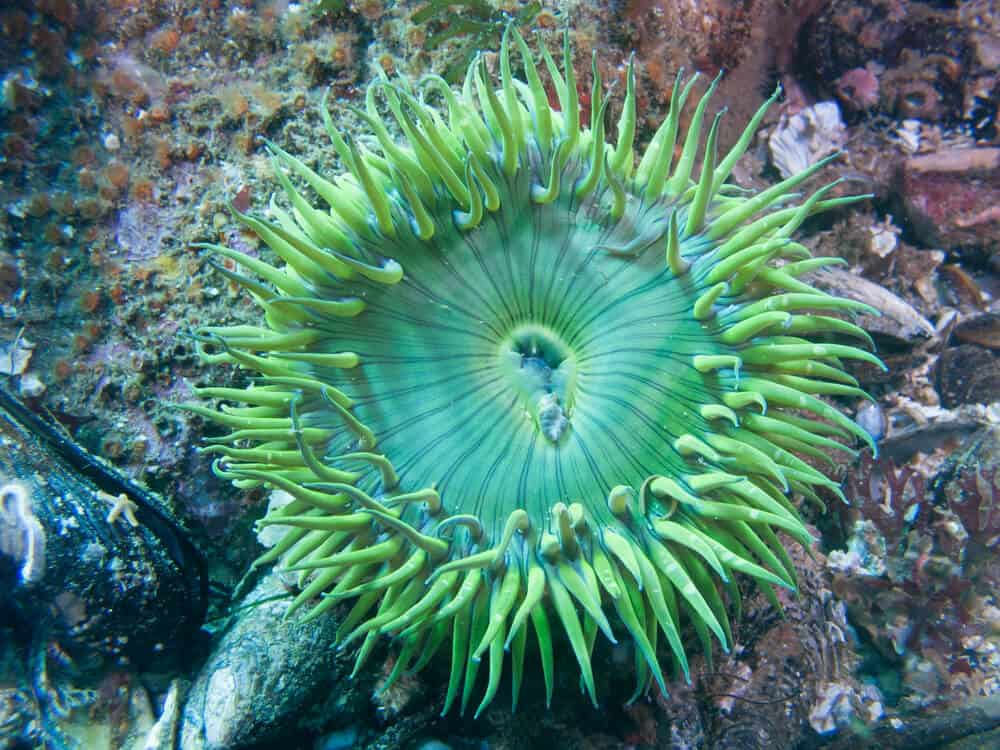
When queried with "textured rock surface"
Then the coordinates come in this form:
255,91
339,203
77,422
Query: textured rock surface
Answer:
267,676
124,112
951,196
967,374
918,572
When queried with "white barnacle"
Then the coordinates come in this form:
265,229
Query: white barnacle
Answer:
803,139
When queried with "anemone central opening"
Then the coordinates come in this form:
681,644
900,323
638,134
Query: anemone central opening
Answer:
539,344
541,369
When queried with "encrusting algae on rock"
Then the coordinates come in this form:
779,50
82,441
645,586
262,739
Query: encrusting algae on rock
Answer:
516,381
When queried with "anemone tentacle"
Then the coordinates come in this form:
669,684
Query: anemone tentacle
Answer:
514,378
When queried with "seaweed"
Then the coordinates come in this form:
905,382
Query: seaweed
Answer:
329,7
478,21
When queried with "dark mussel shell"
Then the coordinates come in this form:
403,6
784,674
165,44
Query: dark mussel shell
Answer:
87,556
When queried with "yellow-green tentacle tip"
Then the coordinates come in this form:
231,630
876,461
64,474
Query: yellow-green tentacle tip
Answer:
531,391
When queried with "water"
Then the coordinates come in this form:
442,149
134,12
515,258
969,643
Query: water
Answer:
612,562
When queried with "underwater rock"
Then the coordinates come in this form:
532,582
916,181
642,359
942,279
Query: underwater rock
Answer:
971,726
921,50
266,676
951,196
898,327
967,374
918,573
10,277
926,429
162,734
838,707
788,677
846,35
983,330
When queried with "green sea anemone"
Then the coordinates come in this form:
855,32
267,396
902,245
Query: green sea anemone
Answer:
515,379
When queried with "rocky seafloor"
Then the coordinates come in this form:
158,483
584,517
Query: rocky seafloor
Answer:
127,127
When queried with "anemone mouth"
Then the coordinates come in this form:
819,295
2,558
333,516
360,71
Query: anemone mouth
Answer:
589,382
